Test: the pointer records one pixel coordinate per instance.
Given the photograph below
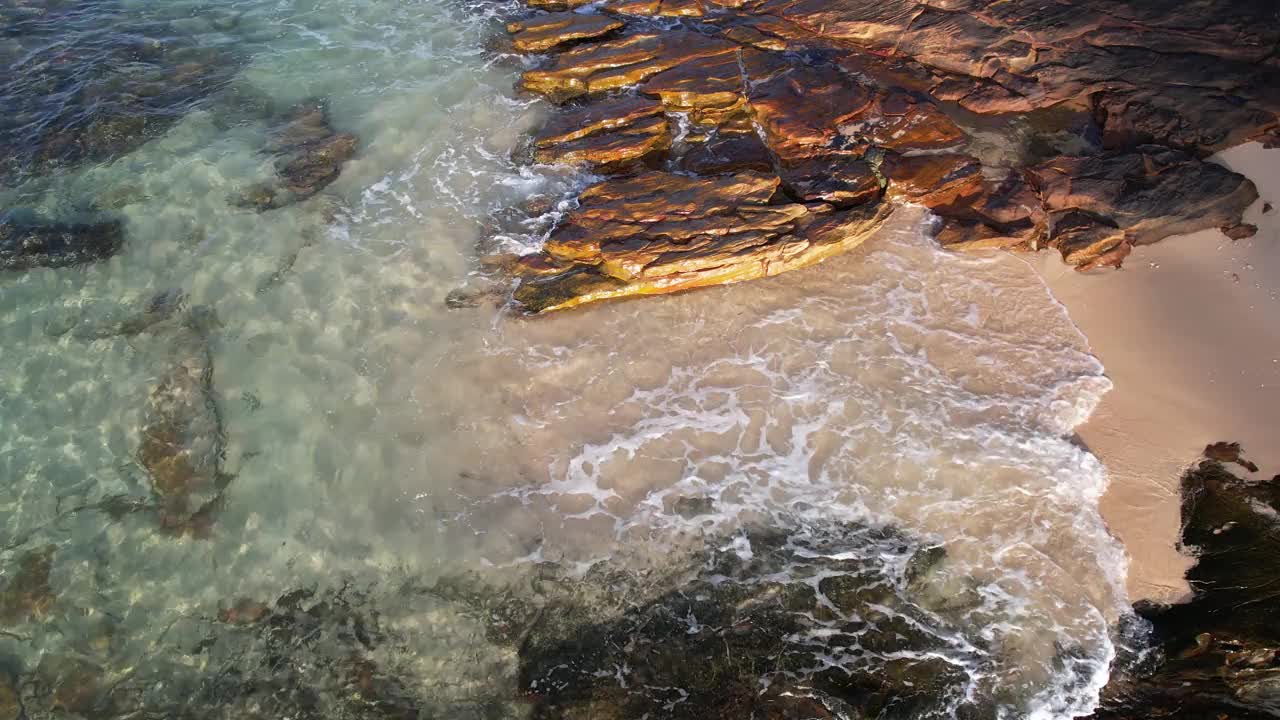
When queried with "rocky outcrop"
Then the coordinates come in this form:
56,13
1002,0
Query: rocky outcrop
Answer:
28,242
1217,655
660,232
853,104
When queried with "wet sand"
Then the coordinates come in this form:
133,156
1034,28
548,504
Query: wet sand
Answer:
1189,331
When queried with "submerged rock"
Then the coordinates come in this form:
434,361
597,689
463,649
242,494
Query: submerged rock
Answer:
87,83
182,438
799,628
1217,655
309,156
27,242
28,595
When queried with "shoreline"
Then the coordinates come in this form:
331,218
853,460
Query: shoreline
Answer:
1190,368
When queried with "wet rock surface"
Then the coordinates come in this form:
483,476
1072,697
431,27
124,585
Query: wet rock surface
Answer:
1217,655
853,103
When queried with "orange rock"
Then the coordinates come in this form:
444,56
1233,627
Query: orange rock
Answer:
709,82
558,5
801,110
596,117
612,149
544,32
837,179
931,180
618,64
708,261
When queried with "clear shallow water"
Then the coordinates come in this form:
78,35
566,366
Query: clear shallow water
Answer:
381,442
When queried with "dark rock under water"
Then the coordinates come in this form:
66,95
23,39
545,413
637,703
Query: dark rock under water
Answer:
87,82
28,242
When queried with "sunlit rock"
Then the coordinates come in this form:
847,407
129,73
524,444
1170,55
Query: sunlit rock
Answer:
544,32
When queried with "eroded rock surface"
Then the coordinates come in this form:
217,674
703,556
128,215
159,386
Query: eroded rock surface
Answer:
851,104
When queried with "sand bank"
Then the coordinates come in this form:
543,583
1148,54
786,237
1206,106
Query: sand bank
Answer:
1189,331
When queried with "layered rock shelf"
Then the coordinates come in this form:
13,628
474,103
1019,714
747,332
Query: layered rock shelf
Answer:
743,138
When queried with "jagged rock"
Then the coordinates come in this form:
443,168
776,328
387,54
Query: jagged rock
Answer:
836,179
1097,203
708,88
802,109
932,180
594,118
558,5
1198,70
729,154
545,32
182,438
849,101
28,242
309,156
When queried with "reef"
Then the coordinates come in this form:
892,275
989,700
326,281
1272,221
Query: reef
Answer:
1217,655
744,138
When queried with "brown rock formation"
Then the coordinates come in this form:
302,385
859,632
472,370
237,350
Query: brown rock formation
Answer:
544,32
764,128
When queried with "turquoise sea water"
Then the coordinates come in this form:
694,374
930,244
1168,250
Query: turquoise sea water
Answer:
376,444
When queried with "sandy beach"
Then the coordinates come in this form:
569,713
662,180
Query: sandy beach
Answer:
1189,331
